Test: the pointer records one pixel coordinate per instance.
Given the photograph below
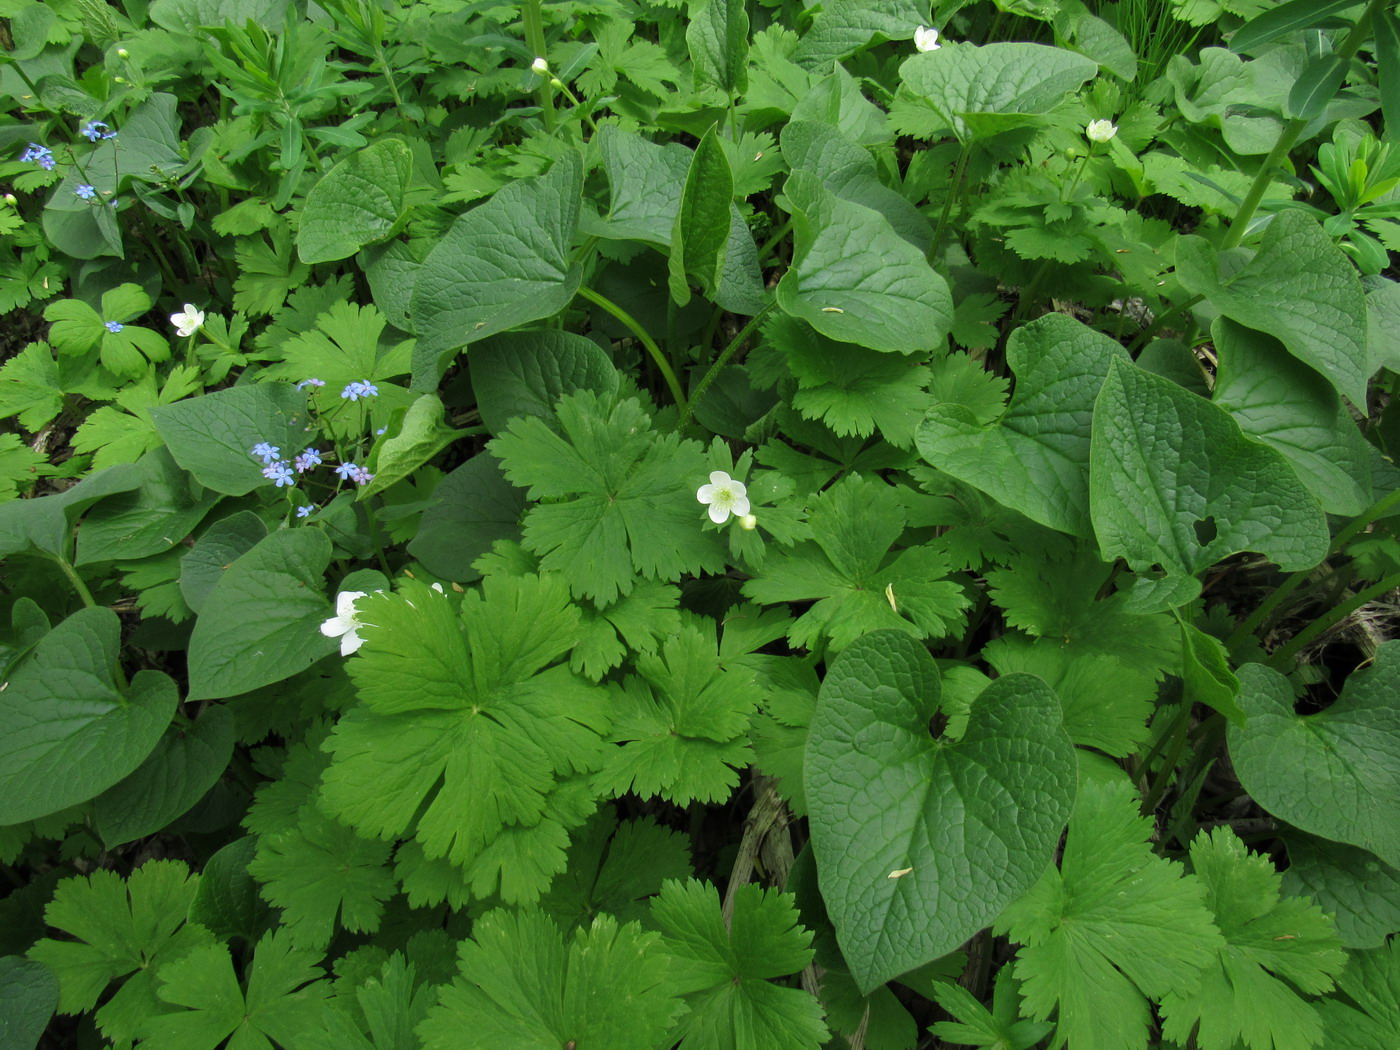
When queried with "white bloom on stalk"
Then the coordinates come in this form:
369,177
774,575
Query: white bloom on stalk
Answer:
540,66
188,322
926,38
1101,130
724,496
345,624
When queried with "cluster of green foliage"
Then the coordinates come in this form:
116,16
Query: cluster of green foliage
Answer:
378,670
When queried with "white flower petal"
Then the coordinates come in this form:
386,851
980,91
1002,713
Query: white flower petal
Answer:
345,604
350,642
706,493
719,477
740,506
719,513
335,626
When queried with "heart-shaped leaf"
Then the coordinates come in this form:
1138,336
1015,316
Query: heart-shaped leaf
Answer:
922,841
1335,773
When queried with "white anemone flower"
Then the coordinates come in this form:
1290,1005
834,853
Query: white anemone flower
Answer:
725,496
188,322
1101,130
345,624
926,38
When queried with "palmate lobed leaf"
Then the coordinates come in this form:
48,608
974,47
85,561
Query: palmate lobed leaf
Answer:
1272,946
723,968
520,986
1112,927
618,501
462,737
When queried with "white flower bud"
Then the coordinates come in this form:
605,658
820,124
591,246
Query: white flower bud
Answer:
540,66
748,522
123,53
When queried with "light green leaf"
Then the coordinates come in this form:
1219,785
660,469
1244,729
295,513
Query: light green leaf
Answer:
921,842
1299,287
499,266
1335,773
70,732
212,436
121,927
723,966
844,26
29,387
718,39
1371,981
1282,402
1035,458
283,998
261,621
700,233
860,586
525,373
359,201
1112,927
1174,483
520,987
1272,947
421,436
848,170
185,764
683,724
854,279
466,739
621,498
976,92
1206,675
851,389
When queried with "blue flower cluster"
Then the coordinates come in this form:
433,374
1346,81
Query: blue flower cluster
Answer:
94,130
281,473
355,391
40,155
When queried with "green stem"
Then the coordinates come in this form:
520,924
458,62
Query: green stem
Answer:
1251,623
771,242
954,186
77,582
658,358
1286,141
532,15
721,361
1164,777
1157,325
1284,654
377,538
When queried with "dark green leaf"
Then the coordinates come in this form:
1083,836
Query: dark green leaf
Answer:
700,233
1283,19
359,201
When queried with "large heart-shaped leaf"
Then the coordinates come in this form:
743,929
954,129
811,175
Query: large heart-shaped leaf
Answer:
499,266
1035,458
920,842
28,997
1335,773
70,733
854,279
184,765
1299,287
358,202
1282,402
525,373
152,519
261,622
979,91
1174,483
212,436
